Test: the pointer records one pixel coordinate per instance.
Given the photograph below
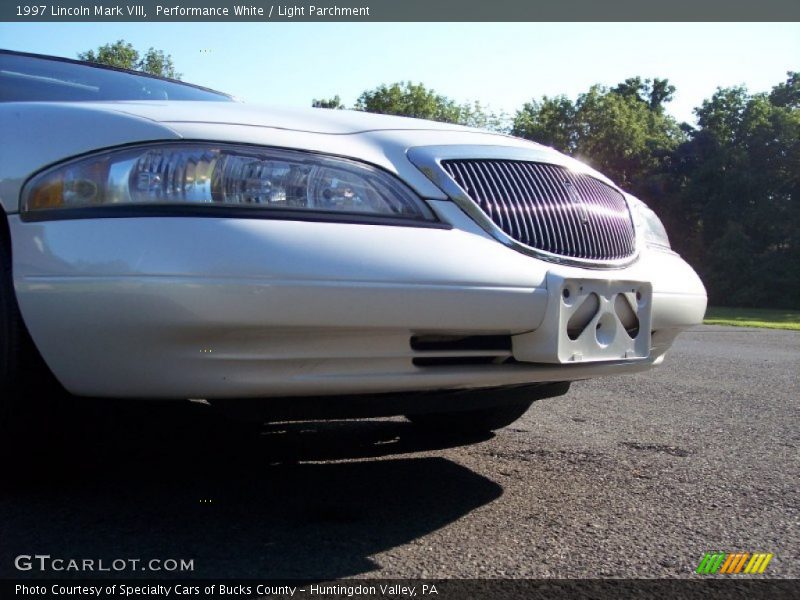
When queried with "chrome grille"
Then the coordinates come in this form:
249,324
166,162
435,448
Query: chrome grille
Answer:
549,207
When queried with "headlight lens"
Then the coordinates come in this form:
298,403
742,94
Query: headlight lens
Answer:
653,231
223,176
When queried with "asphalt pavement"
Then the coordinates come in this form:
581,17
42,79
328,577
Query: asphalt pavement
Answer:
634,476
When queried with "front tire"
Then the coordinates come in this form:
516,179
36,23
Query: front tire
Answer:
10,338
28,392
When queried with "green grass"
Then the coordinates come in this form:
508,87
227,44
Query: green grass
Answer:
753,317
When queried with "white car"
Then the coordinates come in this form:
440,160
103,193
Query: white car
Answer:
162,241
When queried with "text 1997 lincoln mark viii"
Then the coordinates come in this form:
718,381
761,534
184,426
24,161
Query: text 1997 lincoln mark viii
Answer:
160,240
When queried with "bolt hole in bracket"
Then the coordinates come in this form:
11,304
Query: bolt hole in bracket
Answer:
590,320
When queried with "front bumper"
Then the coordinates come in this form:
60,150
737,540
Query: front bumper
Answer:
233,308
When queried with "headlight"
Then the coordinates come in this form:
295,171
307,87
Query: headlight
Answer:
648,223
234,177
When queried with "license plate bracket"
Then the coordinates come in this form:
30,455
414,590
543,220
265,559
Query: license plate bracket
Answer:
590,320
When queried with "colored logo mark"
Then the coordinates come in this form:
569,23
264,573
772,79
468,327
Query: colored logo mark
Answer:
732,563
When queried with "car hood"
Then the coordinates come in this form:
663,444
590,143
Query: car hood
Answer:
309,120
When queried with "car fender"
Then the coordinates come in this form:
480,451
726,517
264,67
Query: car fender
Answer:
67,130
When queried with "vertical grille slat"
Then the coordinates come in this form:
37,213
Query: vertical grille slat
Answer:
548,207
619,242
603,214
531,211
506,193
543,210
572,221
601,226
523,216
553,207
499,196
594,240
485,197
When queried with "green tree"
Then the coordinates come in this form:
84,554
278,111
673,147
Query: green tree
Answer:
655,93
334,102
622,131
475,114
787,94
549,121
409,99
156,62
741,182
623,137
123,55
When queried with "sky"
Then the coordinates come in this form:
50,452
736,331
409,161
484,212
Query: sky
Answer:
500,64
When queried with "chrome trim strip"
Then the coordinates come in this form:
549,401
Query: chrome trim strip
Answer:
428,159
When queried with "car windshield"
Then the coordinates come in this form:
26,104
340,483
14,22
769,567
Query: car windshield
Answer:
27,78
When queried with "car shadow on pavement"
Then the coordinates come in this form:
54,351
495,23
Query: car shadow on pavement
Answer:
309,500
